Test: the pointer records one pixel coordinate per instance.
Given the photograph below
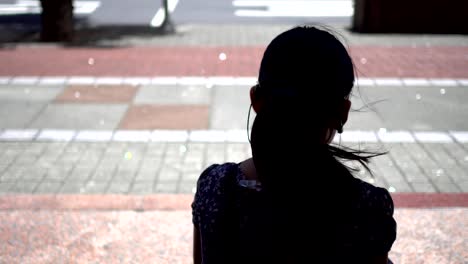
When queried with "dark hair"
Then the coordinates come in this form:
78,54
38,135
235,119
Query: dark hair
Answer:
305,75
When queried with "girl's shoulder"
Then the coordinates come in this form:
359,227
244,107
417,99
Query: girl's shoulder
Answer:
212,177
209,195
374,198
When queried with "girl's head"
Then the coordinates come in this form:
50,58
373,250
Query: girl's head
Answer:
306,72
301,99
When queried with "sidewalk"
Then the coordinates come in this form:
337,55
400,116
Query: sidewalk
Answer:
147,139
132,235
102,143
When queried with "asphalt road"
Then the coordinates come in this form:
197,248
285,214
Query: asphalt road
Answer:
143,12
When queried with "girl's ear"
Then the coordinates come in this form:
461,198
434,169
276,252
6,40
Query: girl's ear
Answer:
346,108
256,102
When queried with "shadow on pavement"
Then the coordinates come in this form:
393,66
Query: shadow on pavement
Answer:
25,29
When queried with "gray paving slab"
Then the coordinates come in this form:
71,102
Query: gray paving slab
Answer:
142,187
155,149
449,166
12,175
176,150
26,159
191,177
423,108
175,94
80,116
57,174
80,175
423,187
150,165
144,175
125,175
166,187
29,94
459,153
19,114
5,187
95,187
230,107
431,167
193,166
409,167
47,187
237,152
169,173
119,187
463,186
35,148
72,187
103,174
33,173
24,187
186,187
216,153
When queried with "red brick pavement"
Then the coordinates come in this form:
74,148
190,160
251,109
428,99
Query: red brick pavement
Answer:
158,229
372,61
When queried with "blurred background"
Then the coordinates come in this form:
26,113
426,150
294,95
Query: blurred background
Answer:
110,110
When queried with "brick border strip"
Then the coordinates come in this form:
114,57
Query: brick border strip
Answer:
183,201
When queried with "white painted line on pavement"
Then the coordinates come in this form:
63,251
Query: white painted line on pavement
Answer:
192,80
81,80
109,81
388,82
365,82
210,81
85,7
137,81
159,17
293,8
169,136
53,80
443,82
460,136
222,81
432,137
463,82
232,136
250,81
415,82
5,80
207,136
237,136
24,80
94,136
56,135
358,136
132,135
18,134
395,136
168,80
22,7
